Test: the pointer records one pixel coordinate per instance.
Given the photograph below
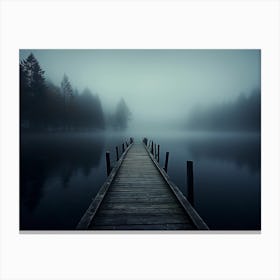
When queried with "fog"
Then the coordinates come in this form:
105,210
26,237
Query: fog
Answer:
77,105
160,87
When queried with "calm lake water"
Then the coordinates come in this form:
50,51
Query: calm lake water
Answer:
61,173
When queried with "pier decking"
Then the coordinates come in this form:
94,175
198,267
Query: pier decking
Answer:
138,195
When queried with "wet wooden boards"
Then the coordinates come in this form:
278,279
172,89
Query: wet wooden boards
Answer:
139,197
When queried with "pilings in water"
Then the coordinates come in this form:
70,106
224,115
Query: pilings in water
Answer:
117,152
155,151
166,162
108,164
190,181
145,141
108,161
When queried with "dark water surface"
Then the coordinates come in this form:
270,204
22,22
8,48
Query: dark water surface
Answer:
61,173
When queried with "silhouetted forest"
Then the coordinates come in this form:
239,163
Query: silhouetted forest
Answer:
243,114
45,106
119,119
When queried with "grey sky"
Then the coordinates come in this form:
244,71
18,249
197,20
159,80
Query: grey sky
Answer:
157,85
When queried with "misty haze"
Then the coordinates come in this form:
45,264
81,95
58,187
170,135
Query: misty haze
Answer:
201,106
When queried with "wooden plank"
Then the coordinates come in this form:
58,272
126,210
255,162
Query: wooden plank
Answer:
197,220
157,227
120,219
139,197
144,189
146,200
88,216
136,191
142,196
138,185
143,193
136,205
141,211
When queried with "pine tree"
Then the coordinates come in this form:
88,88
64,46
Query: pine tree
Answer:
34,75
67,93
66,88
24,96
32,89
122,115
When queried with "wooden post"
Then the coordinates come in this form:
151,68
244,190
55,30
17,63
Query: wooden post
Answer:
117,152
108,165
158,153
166,161
152,148
190,181
145,140
123,147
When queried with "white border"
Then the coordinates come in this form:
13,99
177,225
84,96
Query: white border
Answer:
143,24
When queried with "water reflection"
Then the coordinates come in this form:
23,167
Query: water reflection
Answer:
61,156
243,150
59,175
227,185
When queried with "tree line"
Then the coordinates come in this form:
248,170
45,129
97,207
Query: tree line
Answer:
241,114
46,106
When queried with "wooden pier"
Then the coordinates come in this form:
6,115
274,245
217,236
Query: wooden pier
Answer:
139,195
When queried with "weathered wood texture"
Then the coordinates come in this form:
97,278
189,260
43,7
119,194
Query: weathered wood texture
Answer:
139,198
93,207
